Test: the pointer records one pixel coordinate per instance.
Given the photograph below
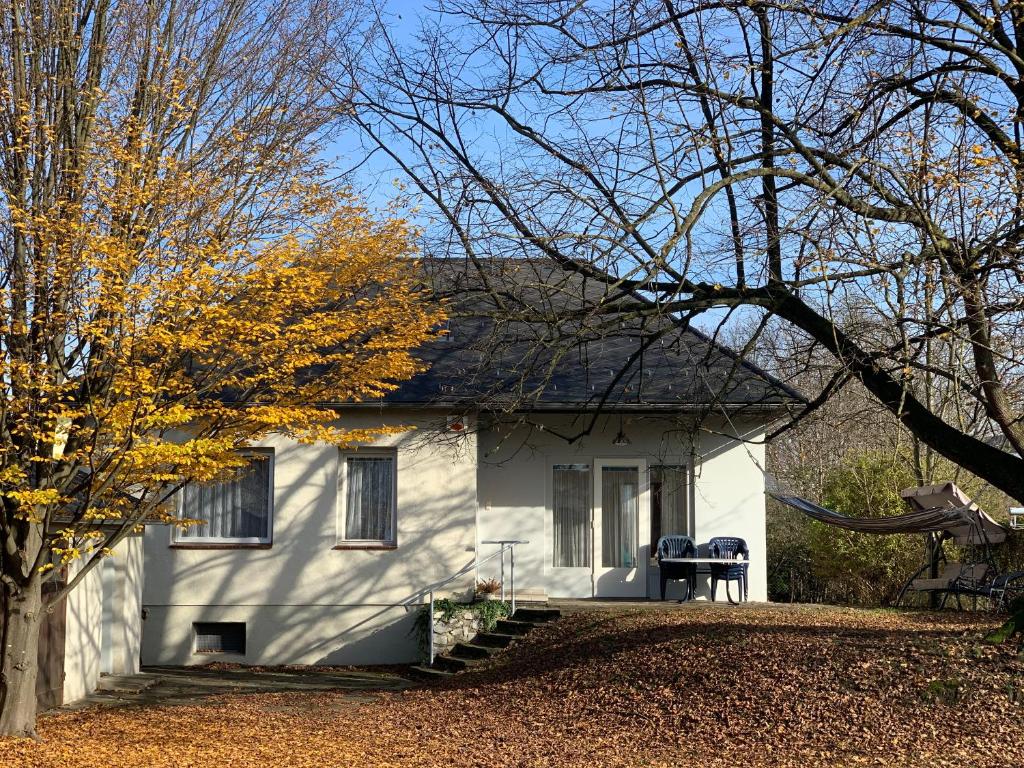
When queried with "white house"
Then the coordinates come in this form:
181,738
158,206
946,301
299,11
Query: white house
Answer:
317,555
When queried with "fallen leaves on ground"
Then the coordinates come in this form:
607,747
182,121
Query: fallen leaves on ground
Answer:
705,686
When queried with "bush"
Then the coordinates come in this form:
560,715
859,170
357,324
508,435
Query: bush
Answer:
864,568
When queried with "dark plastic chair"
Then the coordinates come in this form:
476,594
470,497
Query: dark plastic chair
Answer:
1001,589
1006,588
729,547
677,545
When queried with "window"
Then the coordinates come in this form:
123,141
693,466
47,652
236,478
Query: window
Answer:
220,637
368,490
669,503
237,511
570,516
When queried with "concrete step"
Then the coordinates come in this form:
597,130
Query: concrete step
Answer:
428,674
534,596
537,615
495,639
472,651
455,663
513,627
125,684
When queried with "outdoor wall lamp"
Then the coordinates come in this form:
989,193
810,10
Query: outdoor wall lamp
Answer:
620,439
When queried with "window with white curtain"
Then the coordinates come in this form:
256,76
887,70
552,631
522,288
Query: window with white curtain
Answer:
235,511
367,493
669,503
570,516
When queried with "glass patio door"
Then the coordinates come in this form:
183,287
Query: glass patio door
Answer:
621,528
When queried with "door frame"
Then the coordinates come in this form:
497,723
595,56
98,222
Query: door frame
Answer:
621,582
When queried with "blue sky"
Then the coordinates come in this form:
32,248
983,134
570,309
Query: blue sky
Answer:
378,180
375,176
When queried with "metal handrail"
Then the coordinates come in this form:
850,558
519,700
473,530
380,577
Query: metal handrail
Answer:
506,545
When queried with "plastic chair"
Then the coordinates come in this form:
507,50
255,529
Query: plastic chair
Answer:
677,545
729,547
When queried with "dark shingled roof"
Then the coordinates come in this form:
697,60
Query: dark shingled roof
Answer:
523,336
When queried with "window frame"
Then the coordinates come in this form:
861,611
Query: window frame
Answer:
179,541
341,505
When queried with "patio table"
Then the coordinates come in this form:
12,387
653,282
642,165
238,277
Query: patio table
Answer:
700,561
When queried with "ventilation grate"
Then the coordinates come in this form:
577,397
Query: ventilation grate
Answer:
220,637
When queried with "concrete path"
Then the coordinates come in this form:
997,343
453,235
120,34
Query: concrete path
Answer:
188,686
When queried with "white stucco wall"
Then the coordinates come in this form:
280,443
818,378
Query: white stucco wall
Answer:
302,600
102,631
122,609
82,635
305,602
729,499
727,495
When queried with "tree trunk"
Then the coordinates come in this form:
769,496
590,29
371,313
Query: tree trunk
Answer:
19,660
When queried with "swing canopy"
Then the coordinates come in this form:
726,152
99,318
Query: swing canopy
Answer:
934,509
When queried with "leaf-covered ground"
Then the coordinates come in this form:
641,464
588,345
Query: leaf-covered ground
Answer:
703,686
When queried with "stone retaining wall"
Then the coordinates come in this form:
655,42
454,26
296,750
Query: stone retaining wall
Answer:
461,628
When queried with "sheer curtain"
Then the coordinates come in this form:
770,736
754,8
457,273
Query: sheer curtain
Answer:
369,499
669,502
620,521
571,509
236,509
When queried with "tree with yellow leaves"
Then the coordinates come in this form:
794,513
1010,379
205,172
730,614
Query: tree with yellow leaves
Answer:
180,275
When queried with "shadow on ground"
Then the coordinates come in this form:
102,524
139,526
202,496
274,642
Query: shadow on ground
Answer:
191,686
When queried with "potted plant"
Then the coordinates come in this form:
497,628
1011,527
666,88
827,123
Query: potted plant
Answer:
488,589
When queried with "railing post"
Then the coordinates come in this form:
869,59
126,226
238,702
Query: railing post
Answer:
502,572
510,545
430,629
512,568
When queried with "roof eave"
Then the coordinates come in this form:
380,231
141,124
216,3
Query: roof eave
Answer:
565,407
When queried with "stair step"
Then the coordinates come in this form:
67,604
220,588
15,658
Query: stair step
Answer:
513,627
495,639
465,655
537,615
425,673
455,663
472,651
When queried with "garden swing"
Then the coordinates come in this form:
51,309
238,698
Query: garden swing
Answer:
942,513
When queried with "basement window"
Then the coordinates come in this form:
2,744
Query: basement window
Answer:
220,637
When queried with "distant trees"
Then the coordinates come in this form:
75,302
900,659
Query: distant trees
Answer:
854,173
853,456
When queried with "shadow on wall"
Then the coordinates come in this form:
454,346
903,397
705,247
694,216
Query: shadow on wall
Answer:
83,636
726,496
305,603
332,636
302,601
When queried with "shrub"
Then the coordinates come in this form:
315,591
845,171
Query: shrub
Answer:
864,568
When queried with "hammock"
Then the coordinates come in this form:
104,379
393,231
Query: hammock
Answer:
966,523
920,521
